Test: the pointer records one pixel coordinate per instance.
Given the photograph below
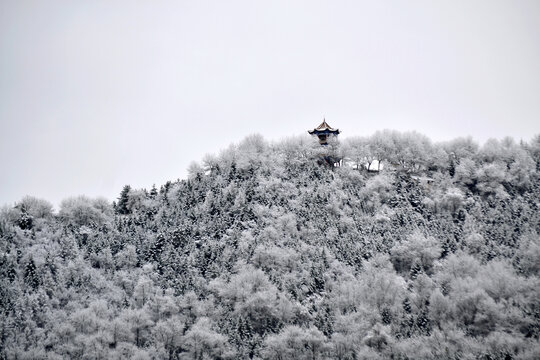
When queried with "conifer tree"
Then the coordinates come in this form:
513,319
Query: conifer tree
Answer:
30,275
123,200
153,191
25,222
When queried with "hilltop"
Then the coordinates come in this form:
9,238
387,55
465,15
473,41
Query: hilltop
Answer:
269,251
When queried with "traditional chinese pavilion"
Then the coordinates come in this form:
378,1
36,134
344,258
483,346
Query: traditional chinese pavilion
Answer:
323,132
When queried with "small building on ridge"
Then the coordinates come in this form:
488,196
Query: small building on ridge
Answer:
323,132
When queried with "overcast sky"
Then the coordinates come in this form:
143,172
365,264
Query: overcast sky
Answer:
98,94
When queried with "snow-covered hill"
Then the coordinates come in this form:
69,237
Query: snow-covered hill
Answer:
268,252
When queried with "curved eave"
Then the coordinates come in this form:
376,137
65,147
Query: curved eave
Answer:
326,131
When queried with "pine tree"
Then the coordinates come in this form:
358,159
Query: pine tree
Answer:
324,320
317,279
11,273
122,205
30,275
416,269
153,191
26,221
386,316
452,167
407,305
423,324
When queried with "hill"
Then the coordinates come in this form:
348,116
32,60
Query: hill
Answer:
268,251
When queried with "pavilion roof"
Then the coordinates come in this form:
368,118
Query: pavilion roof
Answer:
324,127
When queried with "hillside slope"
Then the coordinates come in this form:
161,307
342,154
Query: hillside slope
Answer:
268,252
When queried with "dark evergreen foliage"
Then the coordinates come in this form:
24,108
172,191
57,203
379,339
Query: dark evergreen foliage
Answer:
122,206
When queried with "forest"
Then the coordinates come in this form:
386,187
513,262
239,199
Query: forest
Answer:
402,249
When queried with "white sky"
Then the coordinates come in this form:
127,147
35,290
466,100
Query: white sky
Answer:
98,94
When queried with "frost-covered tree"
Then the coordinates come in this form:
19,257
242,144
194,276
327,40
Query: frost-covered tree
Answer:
416,252
297,343
83,211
